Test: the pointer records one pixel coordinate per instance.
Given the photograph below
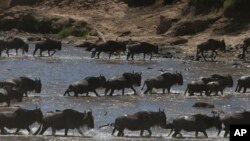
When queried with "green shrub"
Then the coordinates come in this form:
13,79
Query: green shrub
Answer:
65,32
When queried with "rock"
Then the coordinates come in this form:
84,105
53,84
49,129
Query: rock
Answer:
178,41
203,105
23,2
191,27
139,3
165,24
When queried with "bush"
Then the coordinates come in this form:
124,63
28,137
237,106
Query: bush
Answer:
205,6
236,8
65,32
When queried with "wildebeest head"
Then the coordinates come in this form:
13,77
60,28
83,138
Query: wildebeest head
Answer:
222,45
161,119
38,114
88,120
38,85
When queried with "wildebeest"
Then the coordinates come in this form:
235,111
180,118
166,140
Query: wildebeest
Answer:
110,47
163,81
143,47
245,46
143,120
203,105
197,123
13,43
20,119
8,93
200,86
210,45
243,82
235,118
219,85
24,83
49,45
127,80
89,84
67,119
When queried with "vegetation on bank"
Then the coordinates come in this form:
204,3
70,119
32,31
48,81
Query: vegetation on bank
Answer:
67,31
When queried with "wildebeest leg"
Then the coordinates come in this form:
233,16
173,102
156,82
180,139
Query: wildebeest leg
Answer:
110,55
150,132
111,93
226,132
120,133
144,56
147,90
141,133
66,131
17,130
28,129
204,132
23,51
2,130
132,56
41,52
49,52
128,55
80,131
54,51
175,133
196,133
106,91
202,54
168,89
133,90
151,55
96,93
26,94
163,90
53,131
35,51
123,91
170,132
98,54
113,131
43,130
16,52
7,52
76,94
215,54
245,89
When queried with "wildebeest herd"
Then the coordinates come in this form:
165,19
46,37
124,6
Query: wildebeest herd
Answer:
17,88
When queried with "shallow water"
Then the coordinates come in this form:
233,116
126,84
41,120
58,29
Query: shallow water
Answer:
73,64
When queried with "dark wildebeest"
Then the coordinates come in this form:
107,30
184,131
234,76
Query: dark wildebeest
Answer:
203,105
89,84
163,81
107,47
245,46
67,119
127,80
243,82
14,43
25,84
2,47
197,123
210,45
20,119
140,121
199,86
49,45
8,93
219,85
235,118
143,47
